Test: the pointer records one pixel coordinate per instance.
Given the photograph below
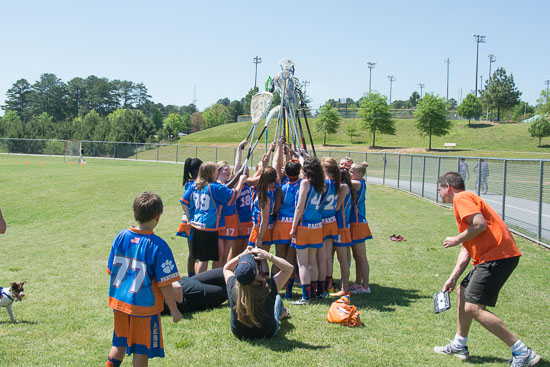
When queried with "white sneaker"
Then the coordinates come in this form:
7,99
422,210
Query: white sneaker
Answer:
459,352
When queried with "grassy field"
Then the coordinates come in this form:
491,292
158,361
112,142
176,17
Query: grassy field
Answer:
480,138
61,222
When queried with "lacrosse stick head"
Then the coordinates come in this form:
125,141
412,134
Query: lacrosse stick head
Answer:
272,113
259,104
287,67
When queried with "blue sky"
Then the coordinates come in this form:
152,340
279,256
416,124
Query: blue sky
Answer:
175,46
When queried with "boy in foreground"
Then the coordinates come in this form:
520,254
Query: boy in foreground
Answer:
142,270
486,239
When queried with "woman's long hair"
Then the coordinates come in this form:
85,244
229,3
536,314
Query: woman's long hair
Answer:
191,169
249,299
331,166
207,174
268,176
314,173
346,178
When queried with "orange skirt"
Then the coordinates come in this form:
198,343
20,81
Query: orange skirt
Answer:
308,238
268,236
281,233
360,232
344,238
330,228
231,229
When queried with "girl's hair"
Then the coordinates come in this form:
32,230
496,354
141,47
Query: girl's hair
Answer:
349,161
292,169
361,167
191,169
331,166
249,297
268,176
221,164
346,178
314,173
207,174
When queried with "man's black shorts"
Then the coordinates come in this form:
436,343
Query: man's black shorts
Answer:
484,281
205,245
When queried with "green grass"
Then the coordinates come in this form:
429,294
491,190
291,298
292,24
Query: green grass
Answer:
61,222
504,140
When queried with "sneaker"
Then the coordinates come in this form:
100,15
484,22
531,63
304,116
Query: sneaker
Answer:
286,314
354,286
360,290
339,294
521,360
301,302
457,351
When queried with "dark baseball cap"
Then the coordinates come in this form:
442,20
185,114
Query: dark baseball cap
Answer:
245,272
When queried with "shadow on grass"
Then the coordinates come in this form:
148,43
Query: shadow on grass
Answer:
485,359
8,322
448,150
478,126
280,343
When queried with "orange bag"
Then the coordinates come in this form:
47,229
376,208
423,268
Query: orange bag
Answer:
341,312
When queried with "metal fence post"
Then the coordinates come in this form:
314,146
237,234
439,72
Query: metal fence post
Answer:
411,175
423,173
384,170
215,160
28,146
438,172
398,169
478,191
114,151
136,151
541,177
177,146
504,189
50,146
196,152
158,152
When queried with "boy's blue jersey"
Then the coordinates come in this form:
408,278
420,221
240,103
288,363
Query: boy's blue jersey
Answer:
207,204
288,204
328,200
312,212
140,262
244,204
256,211
189,185
358,212
342,215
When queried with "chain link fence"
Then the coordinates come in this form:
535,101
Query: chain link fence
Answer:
518,189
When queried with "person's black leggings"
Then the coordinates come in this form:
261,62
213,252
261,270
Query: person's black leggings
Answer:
214,286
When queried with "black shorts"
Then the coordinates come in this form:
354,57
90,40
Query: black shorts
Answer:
484,281
205,245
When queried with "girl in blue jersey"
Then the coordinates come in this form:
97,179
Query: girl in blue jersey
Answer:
330,227
230,233
244,209
190,172
360,230
307,230
207,199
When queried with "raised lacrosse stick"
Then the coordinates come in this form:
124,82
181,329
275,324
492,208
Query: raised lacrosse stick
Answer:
258,106
272,113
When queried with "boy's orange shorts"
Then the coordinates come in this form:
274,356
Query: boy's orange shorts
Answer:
344,238
268,236
330,228
308,238
360,232
139,335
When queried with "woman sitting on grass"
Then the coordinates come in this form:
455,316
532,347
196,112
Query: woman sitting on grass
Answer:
256,306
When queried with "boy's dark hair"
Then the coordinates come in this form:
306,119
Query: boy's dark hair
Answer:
452,179
147,206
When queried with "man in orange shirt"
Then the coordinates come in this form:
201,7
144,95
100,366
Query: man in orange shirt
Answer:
486,239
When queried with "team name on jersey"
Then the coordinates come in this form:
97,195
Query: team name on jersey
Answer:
329,220
168,277
286,219
198,225
314,225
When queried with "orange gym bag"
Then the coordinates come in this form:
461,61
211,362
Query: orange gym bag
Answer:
341,312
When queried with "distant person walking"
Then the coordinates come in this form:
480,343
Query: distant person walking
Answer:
2,223
483,168
463,169
487,240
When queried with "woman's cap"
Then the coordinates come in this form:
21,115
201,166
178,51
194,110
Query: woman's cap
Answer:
245,272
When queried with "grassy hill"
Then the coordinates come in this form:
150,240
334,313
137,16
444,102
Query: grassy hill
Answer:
479,138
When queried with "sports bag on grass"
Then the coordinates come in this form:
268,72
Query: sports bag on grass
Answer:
341,312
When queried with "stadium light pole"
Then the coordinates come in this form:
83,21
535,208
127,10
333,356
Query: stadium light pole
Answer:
492,59
479,39
370,65
481,82
391,78
421,85
547,83
257,60
447,61
305,83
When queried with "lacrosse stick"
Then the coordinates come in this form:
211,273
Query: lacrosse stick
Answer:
303,108
258,106
272,113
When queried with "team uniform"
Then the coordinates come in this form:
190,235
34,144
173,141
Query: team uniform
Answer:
207,220
309,232
285,217
231,229
342,219
360,230
184,229
328,211
139,264
257,217
244,211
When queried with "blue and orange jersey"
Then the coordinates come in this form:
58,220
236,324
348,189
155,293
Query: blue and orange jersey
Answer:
288,204
328,200
139,264
229,209
358,213
244,204
256,211
207,204
189,185
312,212
343,214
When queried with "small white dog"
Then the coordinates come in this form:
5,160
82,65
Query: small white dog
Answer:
10,295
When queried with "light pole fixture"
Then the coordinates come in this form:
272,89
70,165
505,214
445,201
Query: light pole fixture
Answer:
391,78
305,83
492,59
421,85
547,83
257,60
447,61
371,66
479,39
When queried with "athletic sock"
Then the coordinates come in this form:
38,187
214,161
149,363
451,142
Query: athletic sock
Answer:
289,285
313,289
320,287
111,362
190,274
519,348
460,341
306,291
